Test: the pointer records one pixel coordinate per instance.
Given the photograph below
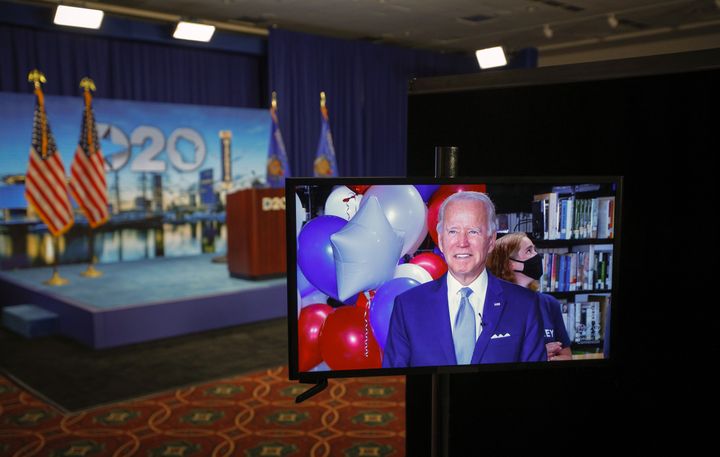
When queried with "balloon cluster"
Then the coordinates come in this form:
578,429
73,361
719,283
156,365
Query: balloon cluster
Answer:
364,251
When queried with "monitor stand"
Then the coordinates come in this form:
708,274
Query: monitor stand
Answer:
446,166
311,392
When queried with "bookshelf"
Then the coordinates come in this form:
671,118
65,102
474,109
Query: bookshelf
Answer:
572,227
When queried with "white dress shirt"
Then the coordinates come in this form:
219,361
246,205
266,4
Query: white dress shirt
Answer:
477,299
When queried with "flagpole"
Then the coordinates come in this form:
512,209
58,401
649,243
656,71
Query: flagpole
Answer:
56,279
36,77
91,272
325,164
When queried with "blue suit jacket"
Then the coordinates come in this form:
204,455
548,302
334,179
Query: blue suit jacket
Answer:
420,333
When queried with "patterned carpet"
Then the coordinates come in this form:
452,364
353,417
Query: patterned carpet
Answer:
249,415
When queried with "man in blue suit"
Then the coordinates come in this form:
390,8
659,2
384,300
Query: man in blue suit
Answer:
468,316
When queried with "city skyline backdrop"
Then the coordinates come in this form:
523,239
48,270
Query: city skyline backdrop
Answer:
140,140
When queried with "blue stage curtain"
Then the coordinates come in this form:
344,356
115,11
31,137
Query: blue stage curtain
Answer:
366,87
130,70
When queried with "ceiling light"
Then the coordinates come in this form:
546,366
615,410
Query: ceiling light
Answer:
613,21
78,17
193,31
491,57
547,31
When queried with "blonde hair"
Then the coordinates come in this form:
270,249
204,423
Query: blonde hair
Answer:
506,248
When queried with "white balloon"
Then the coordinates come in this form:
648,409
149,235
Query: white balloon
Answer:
342,202
405,210
412,271
300,215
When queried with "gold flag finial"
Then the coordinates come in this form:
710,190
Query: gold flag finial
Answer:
322,99
87,84
274,100
36,77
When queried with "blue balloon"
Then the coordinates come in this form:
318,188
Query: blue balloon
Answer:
427,190
315,253
439,252
382,306
303,284
314,298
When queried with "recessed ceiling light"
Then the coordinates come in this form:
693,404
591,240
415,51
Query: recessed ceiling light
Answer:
548,31
193,31
613,21
78,17
491,57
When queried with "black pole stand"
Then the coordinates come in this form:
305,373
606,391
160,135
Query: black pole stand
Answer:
314,390
446,166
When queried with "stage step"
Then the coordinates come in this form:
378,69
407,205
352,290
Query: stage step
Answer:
30,321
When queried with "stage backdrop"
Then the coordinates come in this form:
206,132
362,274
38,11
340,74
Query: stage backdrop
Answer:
168,168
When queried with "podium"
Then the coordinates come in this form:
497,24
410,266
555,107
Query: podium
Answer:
256,241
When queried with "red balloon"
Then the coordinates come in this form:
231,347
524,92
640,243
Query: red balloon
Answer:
347,341
311,320
432,263
358,189
364,299
432,215
453,188
439,197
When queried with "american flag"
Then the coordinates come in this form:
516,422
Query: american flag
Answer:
45,183
87,172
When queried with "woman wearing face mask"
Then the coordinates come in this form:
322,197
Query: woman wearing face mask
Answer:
514,259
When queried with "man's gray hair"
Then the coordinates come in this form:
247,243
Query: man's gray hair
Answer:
470,196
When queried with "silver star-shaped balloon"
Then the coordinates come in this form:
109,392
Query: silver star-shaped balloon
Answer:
366,250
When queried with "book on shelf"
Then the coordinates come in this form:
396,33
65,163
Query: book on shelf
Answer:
566,217
584,322
537,220
550,214
587,268
573,273
606,217
564,313
563,215
604,302
578,220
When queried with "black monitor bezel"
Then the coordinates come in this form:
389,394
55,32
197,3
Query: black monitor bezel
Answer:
291,240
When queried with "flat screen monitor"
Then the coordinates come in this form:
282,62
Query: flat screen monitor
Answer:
420,275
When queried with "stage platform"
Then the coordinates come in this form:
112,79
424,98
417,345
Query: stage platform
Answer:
146,299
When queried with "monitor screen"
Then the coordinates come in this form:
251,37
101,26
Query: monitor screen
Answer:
411,275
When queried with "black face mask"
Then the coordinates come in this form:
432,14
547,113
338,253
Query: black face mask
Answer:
532,267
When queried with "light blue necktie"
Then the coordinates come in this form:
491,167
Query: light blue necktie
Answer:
464,330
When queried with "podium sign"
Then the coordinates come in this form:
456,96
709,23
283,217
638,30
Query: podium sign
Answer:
256,233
